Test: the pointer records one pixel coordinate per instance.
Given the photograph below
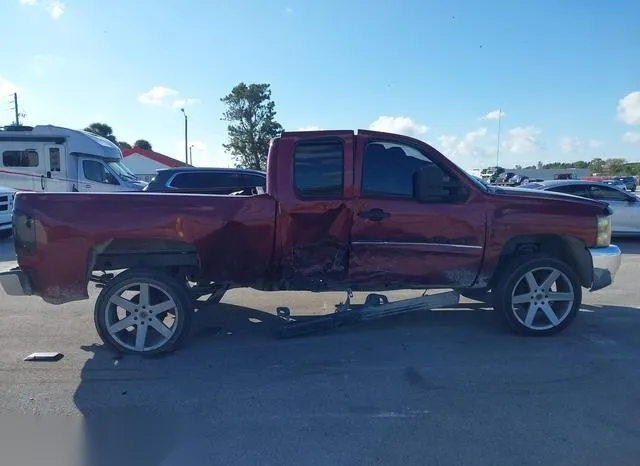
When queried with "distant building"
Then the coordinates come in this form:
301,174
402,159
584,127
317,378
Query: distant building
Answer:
144,163
552,173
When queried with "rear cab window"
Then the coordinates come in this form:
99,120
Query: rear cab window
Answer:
318,169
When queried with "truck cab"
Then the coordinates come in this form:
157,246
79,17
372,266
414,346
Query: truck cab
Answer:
55,159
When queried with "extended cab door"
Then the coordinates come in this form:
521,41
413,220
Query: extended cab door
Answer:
397,241
314,193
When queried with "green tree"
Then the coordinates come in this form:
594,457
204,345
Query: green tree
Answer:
142,144
251,114
597,166
615,166
124,145
102,129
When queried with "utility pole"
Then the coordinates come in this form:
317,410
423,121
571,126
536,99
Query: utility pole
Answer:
498,148
186,141
16,109
15,105
190,155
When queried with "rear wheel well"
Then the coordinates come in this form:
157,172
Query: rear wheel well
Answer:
171,256
569,249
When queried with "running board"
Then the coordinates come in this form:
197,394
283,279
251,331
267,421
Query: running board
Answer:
375,307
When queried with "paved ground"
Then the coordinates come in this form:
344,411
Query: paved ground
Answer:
441,388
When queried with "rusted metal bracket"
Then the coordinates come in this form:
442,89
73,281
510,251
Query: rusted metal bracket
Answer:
376,306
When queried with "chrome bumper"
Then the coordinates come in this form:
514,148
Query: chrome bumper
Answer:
15,283
606,262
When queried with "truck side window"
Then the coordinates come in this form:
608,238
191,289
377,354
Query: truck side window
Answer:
318,169
96,171
388,169
20,158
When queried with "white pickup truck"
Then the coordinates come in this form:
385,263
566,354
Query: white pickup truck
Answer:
6,211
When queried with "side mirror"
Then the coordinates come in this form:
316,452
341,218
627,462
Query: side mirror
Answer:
431,184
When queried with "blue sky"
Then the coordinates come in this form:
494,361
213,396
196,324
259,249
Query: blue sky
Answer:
566,74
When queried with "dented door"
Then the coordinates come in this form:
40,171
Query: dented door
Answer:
398,242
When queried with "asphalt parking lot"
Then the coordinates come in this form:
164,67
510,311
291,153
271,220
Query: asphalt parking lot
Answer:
449,387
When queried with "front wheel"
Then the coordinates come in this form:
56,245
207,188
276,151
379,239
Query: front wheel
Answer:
538,295
143,312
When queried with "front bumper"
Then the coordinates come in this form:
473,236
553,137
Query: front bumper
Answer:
14,282
606,262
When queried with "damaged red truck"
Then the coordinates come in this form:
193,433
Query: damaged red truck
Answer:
365,211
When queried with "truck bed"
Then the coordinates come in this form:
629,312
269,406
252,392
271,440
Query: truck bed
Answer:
233,236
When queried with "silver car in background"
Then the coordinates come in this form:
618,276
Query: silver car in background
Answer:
625,204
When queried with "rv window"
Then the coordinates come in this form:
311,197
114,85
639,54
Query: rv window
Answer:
20,158
96,171
54,159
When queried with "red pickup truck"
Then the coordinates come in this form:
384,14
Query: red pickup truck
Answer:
342,210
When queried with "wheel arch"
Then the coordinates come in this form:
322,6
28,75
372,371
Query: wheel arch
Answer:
569,249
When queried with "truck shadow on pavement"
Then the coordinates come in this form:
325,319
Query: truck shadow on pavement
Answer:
235,393
168,408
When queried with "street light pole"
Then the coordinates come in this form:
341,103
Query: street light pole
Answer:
186,143
190,155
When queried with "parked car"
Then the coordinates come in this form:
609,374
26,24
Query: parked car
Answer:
198,180
617,183
625,205
630,182
343,211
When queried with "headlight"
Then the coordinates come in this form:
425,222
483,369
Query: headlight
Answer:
603,238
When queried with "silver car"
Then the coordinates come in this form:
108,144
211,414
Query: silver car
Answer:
625,205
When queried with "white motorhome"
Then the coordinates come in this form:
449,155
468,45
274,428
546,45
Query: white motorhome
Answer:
47,158
6,211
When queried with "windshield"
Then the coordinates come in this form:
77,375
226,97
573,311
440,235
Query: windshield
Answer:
122,171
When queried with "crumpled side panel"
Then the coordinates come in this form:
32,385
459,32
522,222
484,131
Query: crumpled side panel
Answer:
233,235
314,248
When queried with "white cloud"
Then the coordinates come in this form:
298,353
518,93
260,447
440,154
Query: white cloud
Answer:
6,88
629,108
400,125
54,7
595,144
523,139
494,115
468,150
310,128
568,144
631,137
156,95
184,102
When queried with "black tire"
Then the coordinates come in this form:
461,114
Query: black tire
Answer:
162,283
511,283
